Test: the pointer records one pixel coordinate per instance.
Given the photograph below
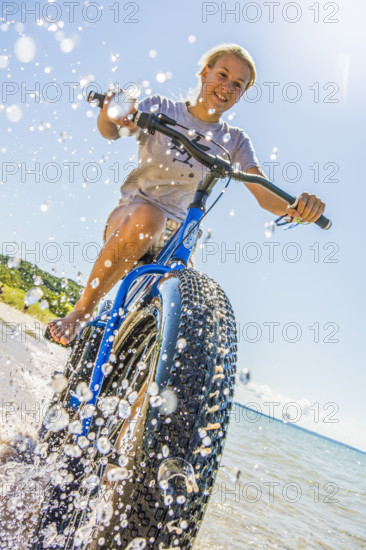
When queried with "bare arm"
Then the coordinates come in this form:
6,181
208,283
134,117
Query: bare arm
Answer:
265,198
309,208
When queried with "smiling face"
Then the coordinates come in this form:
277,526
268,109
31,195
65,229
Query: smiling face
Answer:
224,83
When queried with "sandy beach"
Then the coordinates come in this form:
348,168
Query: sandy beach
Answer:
27,362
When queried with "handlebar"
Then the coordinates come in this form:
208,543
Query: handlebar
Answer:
221,167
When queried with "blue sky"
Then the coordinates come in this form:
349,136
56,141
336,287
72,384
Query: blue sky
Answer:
318,137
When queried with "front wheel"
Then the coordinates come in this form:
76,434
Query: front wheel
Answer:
155,441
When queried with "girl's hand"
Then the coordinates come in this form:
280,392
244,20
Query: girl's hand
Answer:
309,208
112,108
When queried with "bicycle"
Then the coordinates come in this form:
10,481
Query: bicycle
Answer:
139,418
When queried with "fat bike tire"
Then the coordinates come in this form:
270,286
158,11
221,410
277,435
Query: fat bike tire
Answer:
174,365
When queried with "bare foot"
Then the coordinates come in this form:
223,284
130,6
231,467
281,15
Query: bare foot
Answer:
64,330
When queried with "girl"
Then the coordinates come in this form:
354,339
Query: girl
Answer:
155,196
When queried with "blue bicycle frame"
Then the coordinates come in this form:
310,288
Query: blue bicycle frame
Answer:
126,295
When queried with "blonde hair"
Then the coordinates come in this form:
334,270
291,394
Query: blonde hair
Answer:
211,57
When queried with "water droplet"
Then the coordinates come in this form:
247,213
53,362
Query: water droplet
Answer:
56,418
269,229
43,304
133,396
4,61
206,441
72,450
14,113
83,392
141,365
87,411
108,404
80,503
208,135
51,538
64,283
211,111
177,467
124,409
41,449
33,296
226,137
153,389
67,45
83,442
25,49
156,401
165,451
169,402
153,53
232,212
244,376
123,460
95,283
59,382
168,500
103,445
107,367
91,482
161,77
75,427
104,512
13,263
181,343
82,535
137,544
117,474
191,39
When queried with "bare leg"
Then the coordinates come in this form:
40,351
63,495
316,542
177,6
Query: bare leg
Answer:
132,229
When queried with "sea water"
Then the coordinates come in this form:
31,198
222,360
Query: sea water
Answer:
281,487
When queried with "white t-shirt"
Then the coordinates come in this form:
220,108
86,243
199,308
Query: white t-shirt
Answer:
167,176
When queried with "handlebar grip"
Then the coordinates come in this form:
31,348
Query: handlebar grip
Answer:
97,98
323,222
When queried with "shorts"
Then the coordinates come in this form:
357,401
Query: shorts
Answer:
171,227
